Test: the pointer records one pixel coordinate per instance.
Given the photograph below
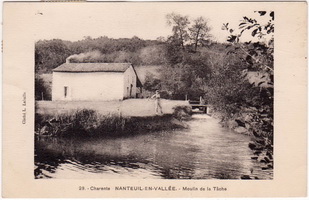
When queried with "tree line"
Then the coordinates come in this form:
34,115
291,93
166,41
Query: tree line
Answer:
49,54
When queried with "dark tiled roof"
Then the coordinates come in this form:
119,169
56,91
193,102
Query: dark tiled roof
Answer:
93,67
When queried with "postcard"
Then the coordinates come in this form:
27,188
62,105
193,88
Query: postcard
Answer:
154,99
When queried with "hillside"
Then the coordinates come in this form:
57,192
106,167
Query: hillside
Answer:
49,54
143,70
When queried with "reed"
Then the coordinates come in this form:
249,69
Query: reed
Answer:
87,122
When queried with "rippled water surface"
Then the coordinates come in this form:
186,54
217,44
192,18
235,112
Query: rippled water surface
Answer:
204,151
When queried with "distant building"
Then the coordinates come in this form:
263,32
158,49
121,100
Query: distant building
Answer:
95,82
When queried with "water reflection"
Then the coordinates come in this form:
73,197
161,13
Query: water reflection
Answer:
204,151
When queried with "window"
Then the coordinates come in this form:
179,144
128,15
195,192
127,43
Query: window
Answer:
65,91
131,90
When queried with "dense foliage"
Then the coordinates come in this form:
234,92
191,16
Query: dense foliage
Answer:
243,90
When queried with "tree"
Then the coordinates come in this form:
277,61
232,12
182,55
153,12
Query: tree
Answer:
173,54
199,32
41,90
179,25
243,88
259,54
50,54
174,80
151,82
186,72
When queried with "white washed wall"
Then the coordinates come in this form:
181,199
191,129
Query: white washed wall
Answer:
129,78
96,86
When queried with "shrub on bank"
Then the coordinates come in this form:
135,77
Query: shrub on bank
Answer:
182,112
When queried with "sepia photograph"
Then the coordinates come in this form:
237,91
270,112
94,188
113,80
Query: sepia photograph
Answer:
159,94
154,99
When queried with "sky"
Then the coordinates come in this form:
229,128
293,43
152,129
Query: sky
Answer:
124,20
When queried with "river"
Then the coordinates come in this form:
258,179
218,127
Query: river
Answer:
203,151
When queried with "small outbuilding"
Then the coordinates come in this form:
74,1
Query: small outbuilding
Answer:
95,82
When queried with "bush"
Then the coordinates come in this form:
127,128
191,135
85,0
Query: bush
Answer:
41,90
182,112
80,122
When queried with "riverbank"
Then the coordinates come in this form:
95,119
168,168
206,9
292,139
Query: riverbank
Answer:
259,126
89,123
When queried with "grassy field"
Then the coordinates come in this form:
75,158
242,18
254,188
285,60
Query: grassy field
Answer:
129,107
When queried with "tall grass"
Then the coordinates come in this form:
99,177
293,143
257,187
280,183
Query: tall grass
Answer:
90,123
